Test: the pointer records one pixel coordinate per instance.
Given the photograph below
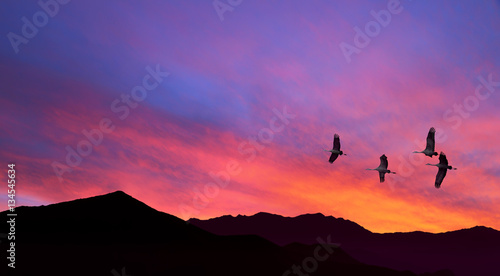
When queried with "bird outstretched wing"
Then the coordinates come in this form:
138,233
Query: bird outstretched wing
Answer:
440,176
383,162
336,142
442,159
430,140
333,157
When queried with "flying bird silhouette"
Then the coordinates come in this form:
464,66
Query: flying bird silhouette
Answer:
336,149
382,168
429,149
443,168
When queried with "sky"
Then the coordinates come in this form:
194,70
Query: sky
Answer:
210,108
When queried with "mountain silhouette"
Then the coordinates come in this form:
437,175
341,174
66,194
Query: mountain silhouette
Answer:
115,234
473,251
284,230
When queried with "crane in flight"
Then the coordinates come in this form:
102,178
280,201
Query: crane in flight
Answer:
443,168
382,168
336,149
429,149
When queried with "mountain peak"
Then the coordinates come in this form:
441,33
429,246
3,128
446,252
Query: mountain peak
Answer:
313,215
118,197
118,192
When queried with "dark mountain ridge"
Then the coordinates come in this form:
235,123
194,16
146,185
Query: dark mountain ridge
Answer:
108,233
473,251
